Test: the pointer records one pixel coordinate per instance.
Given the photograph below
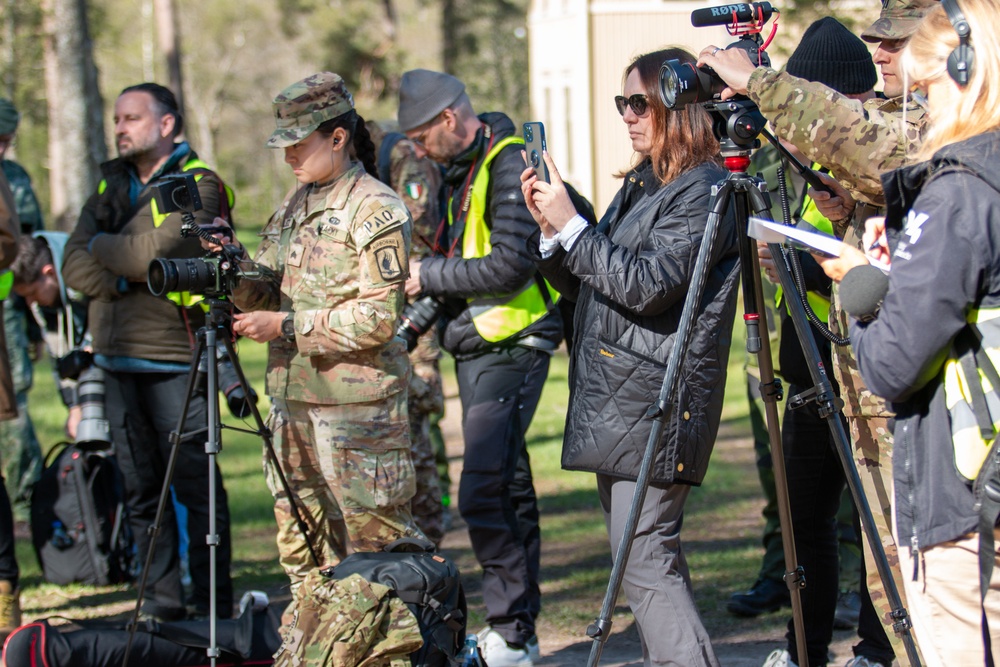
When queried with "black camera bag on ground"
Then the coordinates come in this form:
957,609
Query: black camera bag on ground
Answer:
78,518
428,583
249,640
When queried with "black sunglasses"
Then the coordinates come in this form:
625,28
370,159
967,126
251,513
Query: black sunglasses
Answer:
637,102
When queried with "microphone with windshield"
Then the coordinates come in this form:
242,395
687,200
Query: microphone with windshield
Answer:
744,12
862,290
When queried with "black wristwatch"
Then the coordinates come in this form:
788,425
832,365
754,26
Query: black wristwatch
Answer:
288,328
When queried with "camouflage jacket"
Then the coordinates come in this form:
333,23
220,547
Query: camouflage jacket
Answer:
856,141
25,201
335,257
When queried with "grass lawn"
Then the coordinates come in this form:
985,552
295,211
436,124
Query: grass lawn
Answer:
722,524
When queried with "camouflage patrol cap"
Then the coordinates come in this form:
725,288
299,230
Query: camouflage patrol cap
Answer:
898,19
305,105
8,117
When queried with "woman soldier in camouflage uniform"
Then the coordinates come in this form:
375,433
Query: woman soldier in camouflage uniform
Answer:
334,262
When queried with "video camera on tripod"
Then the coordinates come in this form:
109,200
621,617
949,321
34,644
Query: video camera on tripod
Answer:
736,121
211,276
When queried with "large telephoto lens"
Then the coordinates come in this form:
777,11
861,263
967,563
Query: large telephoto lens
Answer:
683,83
93,426
181,275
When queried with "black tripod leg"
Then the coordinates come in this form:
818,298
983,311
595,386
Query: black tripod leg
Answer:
154,529
828,405
754,303
600,630
265,433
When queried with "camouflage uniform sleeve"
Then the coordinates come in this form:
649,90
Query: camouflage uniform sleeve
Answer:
381,233
8,225
418,183
857,142
25,201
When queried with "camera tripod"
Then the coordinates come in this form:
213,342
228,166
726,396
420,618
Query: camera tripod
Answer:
217,327
746,195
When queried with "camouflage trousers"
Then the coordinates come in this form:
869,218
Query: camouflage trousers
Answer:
872,441
21,456
426,397
349,471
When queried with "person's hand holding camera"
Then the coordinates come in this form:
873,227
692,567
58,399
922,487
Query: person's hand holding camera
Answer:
259,326
223,233
731,65
548,203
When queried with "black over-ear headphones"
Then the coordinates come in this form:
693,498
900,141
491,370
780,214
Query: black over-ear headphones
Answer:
961,60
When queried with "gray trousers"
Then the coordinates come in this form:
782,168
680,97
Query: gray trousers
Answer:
657,584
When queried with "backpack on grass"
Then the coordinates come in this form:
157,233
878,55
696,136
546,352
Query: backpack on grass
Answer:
78,518
402,604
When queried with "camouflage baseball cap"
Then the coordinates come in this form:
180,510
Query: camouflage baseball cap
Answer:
8,117
898,19
307,104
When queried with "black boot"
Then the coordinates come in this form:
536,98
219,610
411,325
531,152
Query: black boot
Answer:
764,596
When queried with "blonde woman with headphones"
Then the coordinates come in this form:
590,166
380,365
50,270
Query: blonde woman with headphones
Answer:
921,351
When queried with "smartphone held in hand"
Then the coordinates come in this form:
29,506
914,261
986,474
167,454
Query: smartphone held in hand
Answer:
534,147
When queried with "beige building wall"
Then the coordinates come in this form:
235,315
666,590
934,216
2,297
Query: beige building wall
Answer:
578,51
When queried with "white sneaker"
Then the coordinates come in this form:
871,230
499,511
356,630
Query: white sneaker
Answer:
779,658
498,653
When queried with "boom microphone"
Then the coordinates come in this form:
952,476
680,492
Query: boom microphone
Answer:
746,12
862,290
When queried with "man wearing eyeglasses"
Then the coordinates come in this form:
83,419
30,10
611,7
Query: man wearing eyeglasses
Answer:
501,325
858,142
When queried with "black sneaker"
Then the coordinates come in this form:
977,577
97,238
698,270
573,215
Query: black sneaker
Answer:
764,596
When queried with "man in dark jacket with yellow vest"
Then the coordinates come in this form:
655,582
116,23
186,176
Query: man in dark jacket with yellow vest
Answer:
145,343
501,326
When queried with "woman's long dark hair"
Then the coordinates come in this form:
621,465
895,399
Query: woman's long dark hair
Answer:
682,138
364,148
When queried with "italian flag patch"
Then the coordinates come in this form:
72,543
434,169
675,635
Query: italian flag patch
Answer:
415,190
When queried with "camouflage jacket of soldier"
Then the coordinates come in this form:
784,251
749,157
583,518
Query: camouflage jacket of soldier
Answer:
25,201
335,257
857,142
417,181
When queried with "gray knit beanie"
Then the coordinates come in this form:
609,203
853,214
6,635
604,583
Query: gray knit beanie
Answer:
424,94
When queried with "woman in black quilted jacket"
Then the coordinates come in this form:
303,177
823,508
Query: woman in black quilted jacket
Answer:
629,277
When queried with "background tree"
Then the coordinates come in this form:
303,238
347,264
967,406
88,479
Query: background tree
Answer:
76,121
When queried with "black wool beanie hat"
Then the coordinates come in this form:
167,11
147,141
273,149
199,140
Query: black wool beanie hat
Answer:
830,54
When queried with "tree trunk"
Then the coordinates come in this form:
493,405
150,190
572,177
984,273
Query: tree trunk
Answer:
170,45
76,120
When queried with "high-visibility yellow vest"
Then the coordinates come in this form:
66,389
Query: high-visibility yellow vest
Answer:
971,396
184,299
819,303
498,318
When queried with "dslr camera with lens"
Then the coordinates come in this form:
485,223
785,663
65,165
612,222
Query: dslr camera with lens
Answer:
417,319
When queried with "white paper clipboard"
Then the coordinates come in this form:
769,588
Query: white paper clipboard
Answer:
769,231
